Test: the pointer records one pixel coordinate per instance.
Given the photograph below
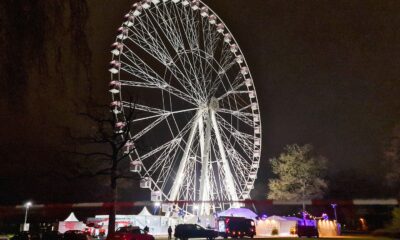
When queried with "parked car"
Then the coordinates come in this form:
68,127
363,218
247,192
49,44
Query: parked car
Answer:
26,236
130,233
307,231
5,237
186,231
236,227
52,235
76,235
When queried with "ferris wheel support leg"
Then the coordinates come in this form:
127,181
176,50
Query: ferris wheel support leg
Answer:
229,181
179,174
205,141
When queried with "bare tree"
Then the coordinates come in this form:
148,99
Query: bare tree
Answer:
109,144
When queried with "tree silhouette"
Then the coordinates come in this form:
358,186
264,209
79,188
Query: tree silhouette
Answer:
110,146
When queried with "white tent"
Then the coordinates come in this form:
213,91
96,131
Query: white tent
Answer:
238,212
157,224
71,218
145,212
71,223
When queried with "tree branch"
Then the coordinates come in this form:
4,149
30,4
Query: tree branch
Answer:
92,154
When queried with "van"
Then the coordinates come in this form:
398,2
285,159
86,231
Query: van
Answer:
236,227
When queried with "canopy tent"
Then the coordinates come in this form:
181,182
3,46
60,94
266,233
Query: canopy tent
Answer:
145,212
71,223
71,218
238,212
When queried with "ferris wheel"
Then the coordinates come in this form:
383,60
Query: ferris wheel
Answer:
197,115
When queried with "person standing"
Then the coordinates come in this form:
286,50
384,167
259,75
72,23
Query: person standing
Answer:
169,233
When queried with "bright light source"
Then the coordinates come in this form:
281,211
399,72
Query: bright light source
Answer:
157,204
28,204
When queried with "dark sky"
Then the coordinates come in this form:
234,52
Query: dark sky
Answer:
326,73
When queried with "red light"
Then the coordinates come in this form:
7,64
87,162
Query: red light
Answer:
234,232
227,230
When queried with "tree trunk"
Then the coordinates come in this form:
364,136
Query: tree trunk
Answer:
303,196
114,194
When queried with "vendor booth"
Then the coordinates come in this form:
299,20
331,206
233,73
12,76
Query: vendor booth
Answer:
276,225
71,223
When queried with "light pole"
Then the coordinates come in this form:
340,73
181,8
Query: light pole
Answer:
334,210
27,205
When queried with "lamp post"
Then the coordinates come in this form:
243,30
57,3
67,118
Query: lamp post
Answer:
334,210
27,205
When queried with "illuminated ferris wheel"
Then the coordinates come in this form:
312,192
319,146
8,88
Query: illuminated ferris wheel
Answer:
197,113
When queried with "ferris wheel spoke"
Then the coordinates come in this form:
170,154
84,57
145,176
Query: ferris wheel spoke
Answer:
148,39
165,59
241,165
245,117
221,184
144,72
138,84
170,160
191,35
181,75
234,153
210,36
246,141
166,87
194,75
156,48
144,108
149,127
217,176
228,173
158,111
159,115
169,25
162,161
237,83
167,170
154,151
227,50
183,162
188,188
189,25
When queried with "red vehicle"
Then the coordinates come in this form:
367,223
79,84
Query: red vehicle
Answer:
130,233
236,227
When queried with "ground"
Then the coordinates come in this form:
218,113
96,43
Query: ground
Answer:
357,237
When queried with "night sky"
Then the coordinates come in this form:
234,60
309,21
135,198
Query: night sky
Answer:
326,73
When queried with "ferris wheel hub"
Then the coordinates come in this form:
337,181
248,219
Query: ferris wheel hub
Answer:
213,105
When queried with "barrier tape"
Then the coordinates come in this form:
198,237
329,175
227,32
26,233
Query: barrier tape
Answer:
359,202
